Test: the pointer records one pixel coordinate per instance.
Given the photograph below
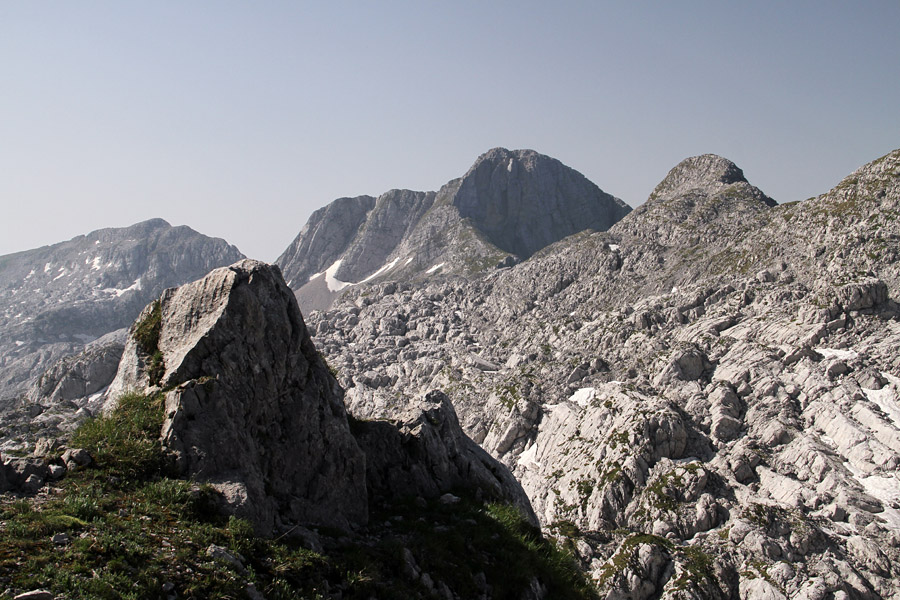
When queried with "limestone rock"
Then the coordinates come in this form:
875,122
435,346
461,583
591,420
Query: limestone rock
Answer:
423,452
252,407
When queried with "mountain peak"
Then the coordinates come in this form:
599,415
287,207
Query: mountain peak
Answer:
523,201
705,173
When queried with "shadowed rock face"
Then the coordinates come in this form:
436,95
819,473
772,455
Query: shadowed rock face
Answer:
254,409
422,451
524,201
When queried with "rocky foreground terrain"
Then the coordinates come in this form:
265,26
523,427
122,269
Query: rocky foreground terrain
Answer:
704,398
702,401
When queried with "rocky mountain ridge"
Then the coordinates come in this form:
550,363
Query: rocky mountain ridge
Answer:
702,401
509,205
704,391
62,300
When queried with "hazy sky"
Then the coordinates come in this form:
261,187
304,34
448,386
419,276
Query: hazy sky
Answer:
241,118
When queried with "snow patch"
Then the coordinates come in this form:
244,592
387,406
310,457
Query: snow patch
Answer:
526,459
835,353
408,260
47,268
316,276
887,398
884,487
97,242
134,286
382,270
509,167
613,247
434,268
61,274
334,284
95,266
20,343
30,274
583,396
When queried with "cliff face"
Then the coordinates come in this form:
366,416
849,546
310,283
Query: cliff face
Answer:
253,409
509,205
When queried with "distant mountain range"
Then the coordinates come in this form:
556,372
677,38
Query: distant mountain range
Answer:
509,205
700,397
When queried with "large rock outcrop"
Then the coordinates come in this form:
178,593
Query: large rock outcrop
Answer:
57,299
252,407
422,452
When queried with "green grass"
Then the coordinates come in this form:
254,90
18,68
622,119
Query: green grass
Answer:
132,529
126,443
146,333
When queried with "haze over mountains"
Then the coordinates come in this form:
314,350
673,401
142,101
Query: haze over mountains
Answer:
702,396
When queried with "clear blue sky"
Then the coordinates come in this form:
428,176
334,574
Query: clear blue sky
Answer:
241,118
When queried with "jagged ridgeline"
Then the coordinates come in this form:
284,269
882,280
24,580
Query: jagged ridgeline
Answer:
703,399
509,205
699,398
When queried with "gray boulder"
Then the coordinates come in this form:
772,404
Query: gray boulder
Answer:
423,452
252,407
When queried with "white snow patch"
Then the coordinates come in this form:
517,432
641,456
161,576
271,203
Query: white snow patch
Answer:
583,396
316,275
836,353
887,398
97,242
20,343
30,274
434,268
408,260
509,167
334,284
613,247
382,270
674,290
134,286
47,268
526,459
61,274
96,264
884,487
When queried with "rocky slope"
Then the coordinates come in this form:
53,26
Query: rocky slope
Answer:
219,384
509,205
702,401
61,300
704,398
253,409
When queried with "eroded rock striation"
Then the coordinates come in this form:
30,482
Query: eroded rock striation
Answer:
704,399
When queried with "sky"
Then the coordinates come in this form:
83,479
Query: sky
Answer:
240,118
